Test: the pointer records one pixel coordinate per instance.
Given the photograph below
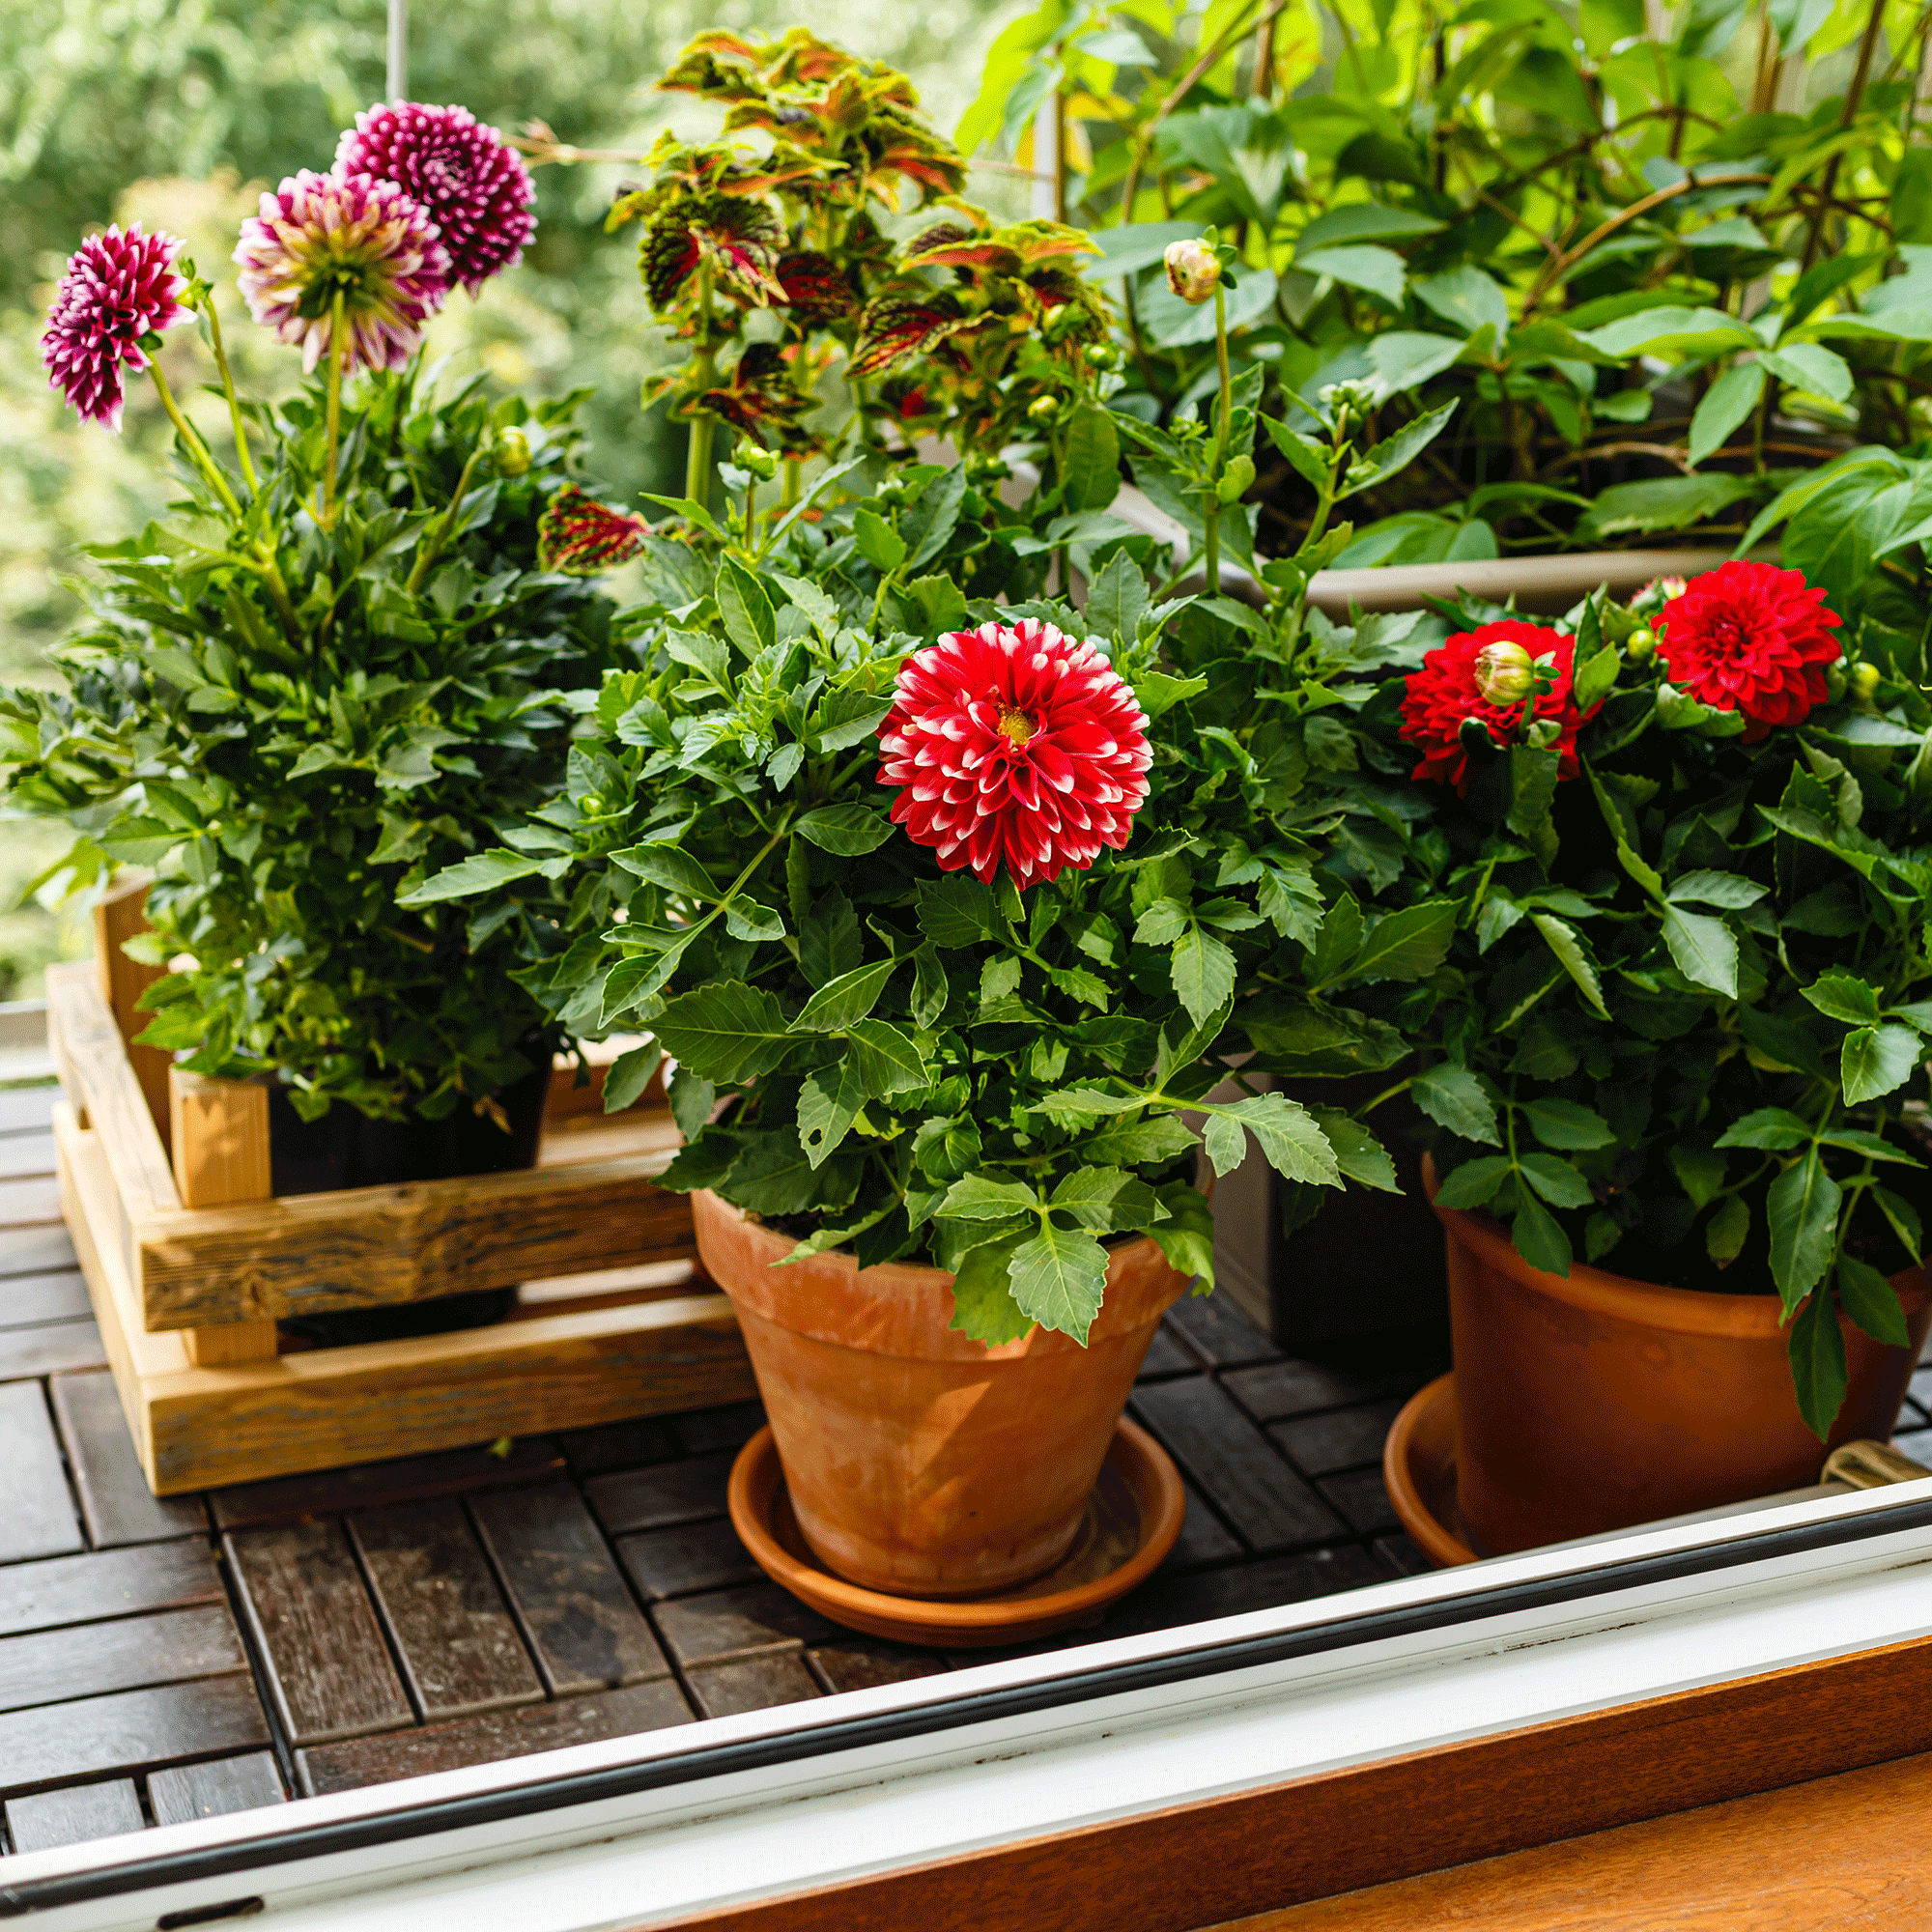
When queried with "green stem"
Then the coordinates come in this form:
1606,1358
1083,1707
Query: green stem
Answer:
794,482
336,357
750,512
1212,545
698,457
247,461
196,448
432,549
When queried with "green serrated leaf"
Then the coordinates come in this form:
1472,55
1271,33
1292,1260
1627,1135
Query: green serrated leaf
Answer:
1059,1278
1453,1097
1802,1209
984,1308
1817,1345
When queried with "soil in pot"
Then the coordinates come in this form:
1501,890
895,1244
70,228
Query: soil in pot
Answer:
1595,1402
346,1148
918,1463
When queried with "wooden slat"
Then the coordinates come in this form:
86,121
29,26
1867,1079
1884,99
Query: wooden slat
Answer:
329,1668
51,1349
22,1156
219,1152
132,1731
27,1109
458,1645
197,1427
180,1796
110,1584
1202,1863
120,915
411,1479
115,1499
27,1203
54,1666
38,1517
488,1739
74,1817
28,1301
35,1251
579,1618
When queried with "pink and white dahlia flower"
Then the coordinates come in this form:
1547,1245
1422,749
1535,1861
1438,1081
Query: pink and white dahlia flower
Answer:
321,236
116,289
1015,745
476,189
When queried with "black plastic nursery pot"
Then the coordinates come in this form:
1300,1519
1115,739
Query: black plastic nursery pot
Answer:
346,1148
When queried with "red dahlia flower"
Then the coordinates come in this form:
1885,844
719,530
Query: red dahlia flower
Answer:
477,190
1014,745
117,289
1750,637
1456,682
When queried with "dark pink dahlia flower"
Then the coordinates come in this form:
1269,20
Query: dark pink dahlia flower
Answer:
476,189
116,289
321,236
1015,745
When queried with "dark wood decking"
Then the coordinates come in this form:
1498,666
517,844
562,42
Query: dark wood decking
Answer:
172,1659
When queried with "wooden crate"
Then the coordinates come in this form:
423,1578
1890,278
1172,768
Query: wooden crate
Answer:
190,1262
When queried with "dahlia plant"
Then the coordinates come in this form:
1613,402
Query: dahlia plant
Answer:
1686,1012
342,662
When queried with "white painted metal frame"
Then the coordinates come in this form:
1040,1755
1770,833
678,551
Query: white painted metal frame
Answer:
1842,1578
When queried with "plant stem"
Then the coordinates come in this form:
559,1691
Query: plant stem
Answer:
1846,115
432,549
247,461
336,357
196,448
1211,557
794,475
698,458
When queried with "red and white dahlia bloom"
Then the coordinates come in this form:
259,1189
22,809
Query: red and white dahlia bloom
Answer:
1750,637
1014,745
476,189
321,236
116,289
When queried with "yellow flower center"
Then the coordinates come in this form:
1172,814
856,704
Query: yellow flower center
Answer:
1015,724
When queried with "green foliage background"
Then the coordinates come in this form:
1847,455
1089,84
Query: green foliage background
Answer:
177,111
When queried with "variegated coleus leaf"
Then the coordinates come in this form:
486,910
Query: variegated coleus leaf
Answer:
894,329
579,536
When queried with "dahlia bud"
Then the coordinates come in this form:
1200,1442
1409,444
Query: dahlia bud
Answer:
1670,588
1642,642
1837,680
1043,409
1193,270
1864,679
1102,355
757,460
1505,674
510,451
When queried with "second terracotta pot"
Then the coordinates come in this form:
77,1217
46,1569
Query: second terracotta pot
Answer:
918,1461
1591,1402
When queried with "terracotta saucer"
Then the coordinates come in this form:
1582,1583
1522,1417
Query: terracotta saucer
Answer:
1131,1522
1419,1473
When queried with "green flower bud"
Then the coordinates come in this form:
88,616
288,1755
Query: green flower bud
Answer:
591,805
1642,641
1864,678
757,461
1505,674
1193,270
1043,409
510,451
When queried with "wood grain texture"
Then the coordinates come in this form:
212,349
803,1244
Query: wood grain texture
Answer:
1196,1865
76,1816
459,1646
197,1427
106,1583
219,1149
51,1349
54,1665
121,981
181,1795
38,1517
329,1668
131,1732
581,1623
409,1479
1855,1850
488,1739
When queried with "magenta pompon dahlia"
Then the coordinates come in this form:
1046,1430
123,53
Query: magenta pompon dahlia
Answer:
116,289
1015,745
321,236
476,189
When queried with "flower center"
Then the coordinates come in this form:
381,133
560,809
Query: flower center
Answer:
1015,724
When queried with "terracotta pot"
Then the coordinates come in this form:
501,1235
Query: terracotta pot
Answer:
1593,1402
920,1463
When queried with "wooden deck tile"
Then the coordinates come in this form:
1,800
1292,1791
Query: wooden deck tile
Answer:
491,1738
370,1484
579,1618
1167,1600
1343,1438
180,1796
73,1817
1204,1537
132,1731
1218,1332
114,1495
460,1650
28,1299
753,1684
1270,1506
56,1665
29,1204
616,1445
22,1156
702,1431
37,1519
734,1623
35,1250
27,1109
50,1348
859,1663
329,1668
696,1557
112,1584
653,1499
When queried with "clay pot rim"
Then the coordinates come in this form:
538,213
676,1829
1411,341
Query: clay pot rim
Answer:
1426,1529
1683,1311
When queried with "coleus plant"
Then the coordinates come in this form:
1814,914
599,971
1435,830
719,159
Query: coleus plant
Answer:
340,662
954,917
1686,1009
